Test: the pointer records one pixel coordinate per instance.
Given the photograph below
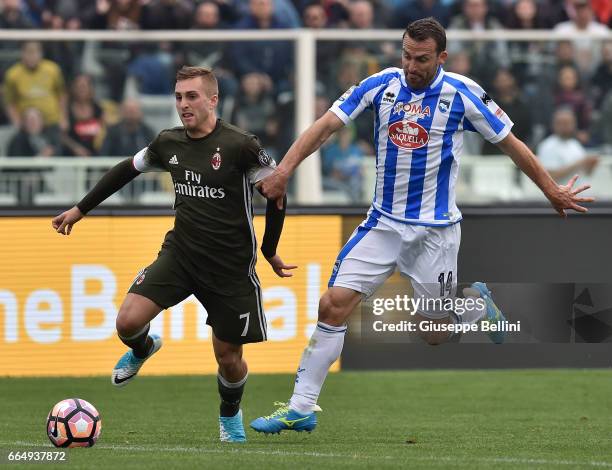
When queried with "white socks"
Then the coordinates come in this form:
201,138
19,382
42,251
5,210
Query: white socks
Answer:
322,351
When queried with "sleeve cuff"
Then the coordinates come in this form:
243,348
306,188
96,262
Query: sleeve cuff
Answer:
501,136
341,114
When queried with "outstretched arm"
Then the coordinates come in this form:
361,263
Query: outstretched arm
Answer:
115,179
561,197
275,186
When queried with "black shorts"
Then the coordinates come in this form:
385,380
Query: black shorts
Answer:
236,319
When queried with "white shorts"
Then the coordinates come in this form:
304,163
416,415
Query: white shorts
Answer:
427,255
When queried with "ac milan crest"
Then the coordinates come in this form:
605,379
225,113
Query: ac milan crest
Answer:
140,277
215,161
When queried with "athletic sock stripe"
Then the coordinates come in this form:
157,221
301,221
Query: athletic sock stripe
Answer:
329,330
227,384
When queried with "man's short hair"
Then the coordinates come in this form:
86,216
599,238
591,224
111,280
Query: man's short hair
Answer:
421,30
207,75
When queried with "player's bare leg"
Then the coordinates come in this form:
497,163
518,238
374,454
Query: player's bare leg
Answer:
322,351
133,319
433,337
232,377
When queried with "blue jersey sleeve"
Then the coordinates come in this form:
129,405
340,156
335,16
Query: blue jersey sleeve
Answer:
359,97
482,114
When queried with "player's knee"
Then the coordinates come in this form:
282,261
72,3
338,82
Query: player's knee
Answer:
331,310
228,359
126,324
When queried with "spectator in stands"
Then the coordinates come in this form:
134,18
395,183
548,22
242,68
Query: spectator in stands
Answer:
166,14
314,17
601,83
337,12
115,14
349,71
35,82
228,13
459,63
475,16
205,53
557,11
526,14
487,56
569,94
66,54
153,68
32,140
208,16
604,124
361,14
341,163
12,15
85,120
129,135
561,153
256,108
272,59
584,22
543,98
526,55
410,10
507,95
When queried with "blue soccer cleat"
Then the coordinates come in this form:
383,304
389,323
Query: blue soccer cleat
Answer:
494,314
285,418
231,428
128,366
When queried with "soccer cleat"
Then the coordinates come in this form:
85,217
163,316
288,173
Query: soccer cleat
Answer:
494,314
128,366
284,418
231,428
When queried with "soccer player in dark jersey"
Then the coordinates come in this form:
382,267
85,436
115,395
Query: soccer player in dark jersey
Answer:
211,251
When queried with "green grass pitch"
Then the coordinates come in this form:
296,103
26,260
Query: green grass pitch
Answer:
421,419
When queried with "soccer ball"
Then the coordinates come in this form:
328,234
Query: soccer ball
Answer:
73,422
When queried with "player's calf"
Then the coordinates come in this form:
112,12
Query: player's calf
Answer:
337,304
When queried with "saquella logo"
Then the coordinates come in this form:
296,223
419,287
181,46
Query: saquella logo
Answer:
408,135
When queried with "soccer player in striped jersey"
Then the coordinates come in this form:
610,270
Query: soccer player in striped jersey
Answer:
421,112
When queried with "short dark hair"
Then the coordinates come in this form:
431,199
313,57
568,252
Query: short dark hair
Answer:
207,75
421,30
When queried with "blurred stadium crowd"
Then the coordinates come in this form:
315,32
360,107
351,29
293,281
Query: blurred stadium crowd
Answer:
89,102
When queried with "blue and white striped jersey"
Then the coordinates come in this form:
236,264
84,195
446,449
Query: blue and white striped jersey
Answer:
418,137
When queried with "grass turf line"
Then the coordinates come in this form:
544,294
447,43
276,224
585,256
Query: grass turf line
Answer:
452,419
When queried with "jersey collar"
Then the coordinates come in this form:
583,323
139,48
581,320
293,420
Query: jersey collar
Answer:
436,81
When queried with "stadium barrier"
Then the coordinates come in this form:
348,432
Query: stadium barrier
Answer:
59,296
64,180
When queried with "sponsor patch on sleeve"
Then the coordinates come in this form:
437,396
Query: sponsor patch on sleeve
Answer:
265,159
347,93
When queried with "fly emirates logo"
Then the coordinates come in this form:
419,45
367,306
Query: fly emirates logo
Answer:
193,187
